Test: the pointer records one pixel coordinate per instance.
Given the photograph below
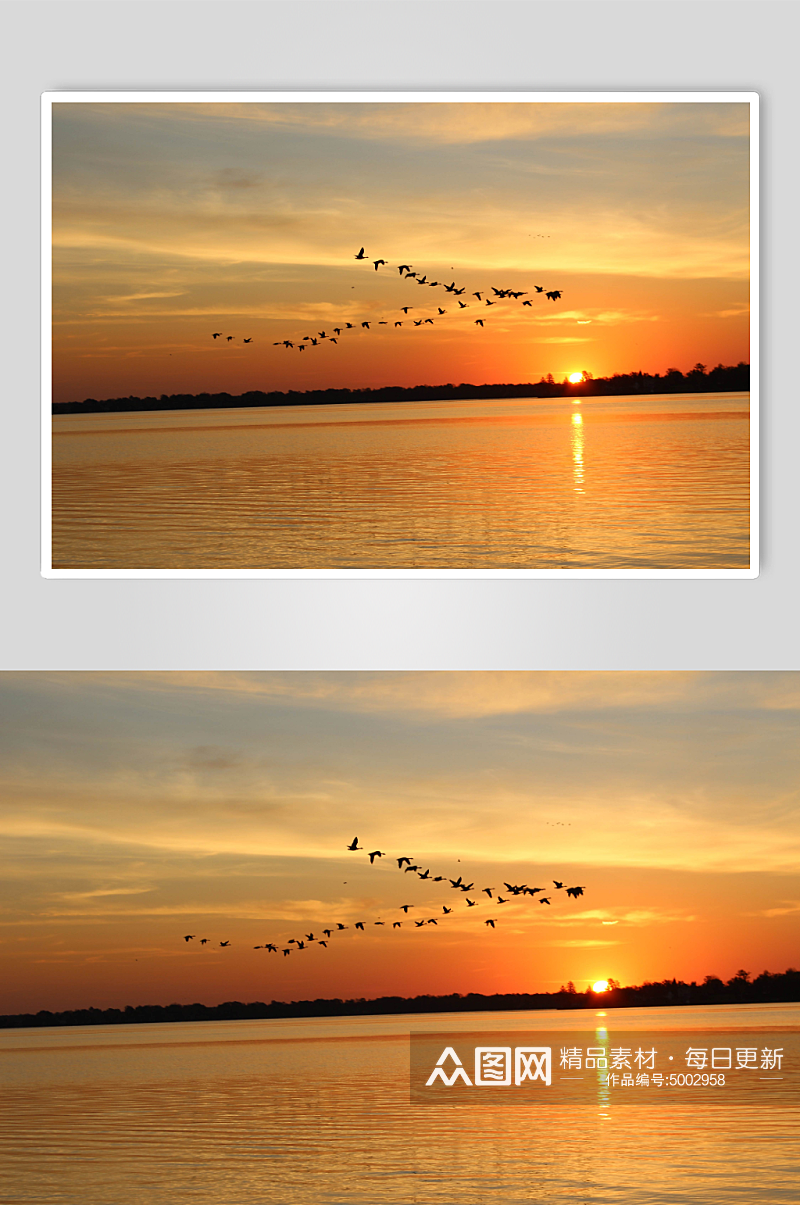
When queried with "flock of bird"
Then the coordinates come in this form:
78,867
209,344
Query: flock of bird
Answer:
406,273
408,866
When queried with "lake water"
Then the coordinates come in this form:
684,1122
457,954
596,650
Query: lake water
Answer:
313,1112
654,482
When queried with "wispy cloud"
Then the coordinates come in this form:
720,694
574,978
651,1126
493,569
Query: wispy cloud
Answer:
790,908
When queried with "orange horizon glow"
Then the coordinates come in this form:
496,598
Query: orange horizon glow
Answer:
184,230
140,808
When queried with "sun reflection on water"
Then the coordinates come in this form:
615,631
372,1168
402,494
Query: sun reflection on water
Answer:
577,452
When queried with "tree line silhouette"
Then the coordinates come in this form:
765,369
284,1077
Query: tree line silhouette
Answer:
722,379
766,988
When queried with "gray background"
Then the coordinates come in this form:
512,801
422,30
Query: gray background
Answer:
400,44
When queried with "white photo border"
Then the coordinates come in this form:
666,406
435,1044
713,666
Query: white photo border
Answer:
750,98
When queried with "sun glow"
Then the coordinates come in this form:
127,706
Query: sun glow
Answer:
576,377
600,986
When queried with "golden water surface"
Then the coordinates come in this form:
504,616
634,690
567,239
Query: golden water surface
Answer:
318,1111
652,482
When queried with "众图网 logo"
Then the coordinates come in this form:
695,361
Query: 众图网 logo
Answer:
495,1066
596,1067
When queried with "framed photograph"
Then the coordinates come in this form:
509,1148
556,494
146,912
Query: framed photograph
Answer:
400,335
255,924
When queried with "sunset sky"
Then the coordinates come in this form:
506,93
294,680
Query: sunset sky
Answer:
140,807
175,220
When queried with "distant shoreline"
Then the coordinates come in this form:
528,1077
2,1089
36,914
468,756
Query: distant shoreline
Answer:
767,988
731,379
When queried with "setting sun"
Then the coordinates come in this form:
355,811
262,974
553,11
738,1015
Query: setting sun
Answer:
576,377
600,986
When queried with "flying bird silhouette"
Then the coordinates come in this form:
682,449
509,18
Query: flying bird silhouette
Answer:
225,943
472,904
216,334
354,844
360,255
557,885
554,294
400,862
189,936
229,338
544,900
405,908
360,925
378,262
204,941
489,922
479,322
247,340
575,892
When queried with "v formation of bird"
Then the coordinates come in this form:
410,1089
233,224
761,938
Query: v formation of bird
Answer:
406,273
408,866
